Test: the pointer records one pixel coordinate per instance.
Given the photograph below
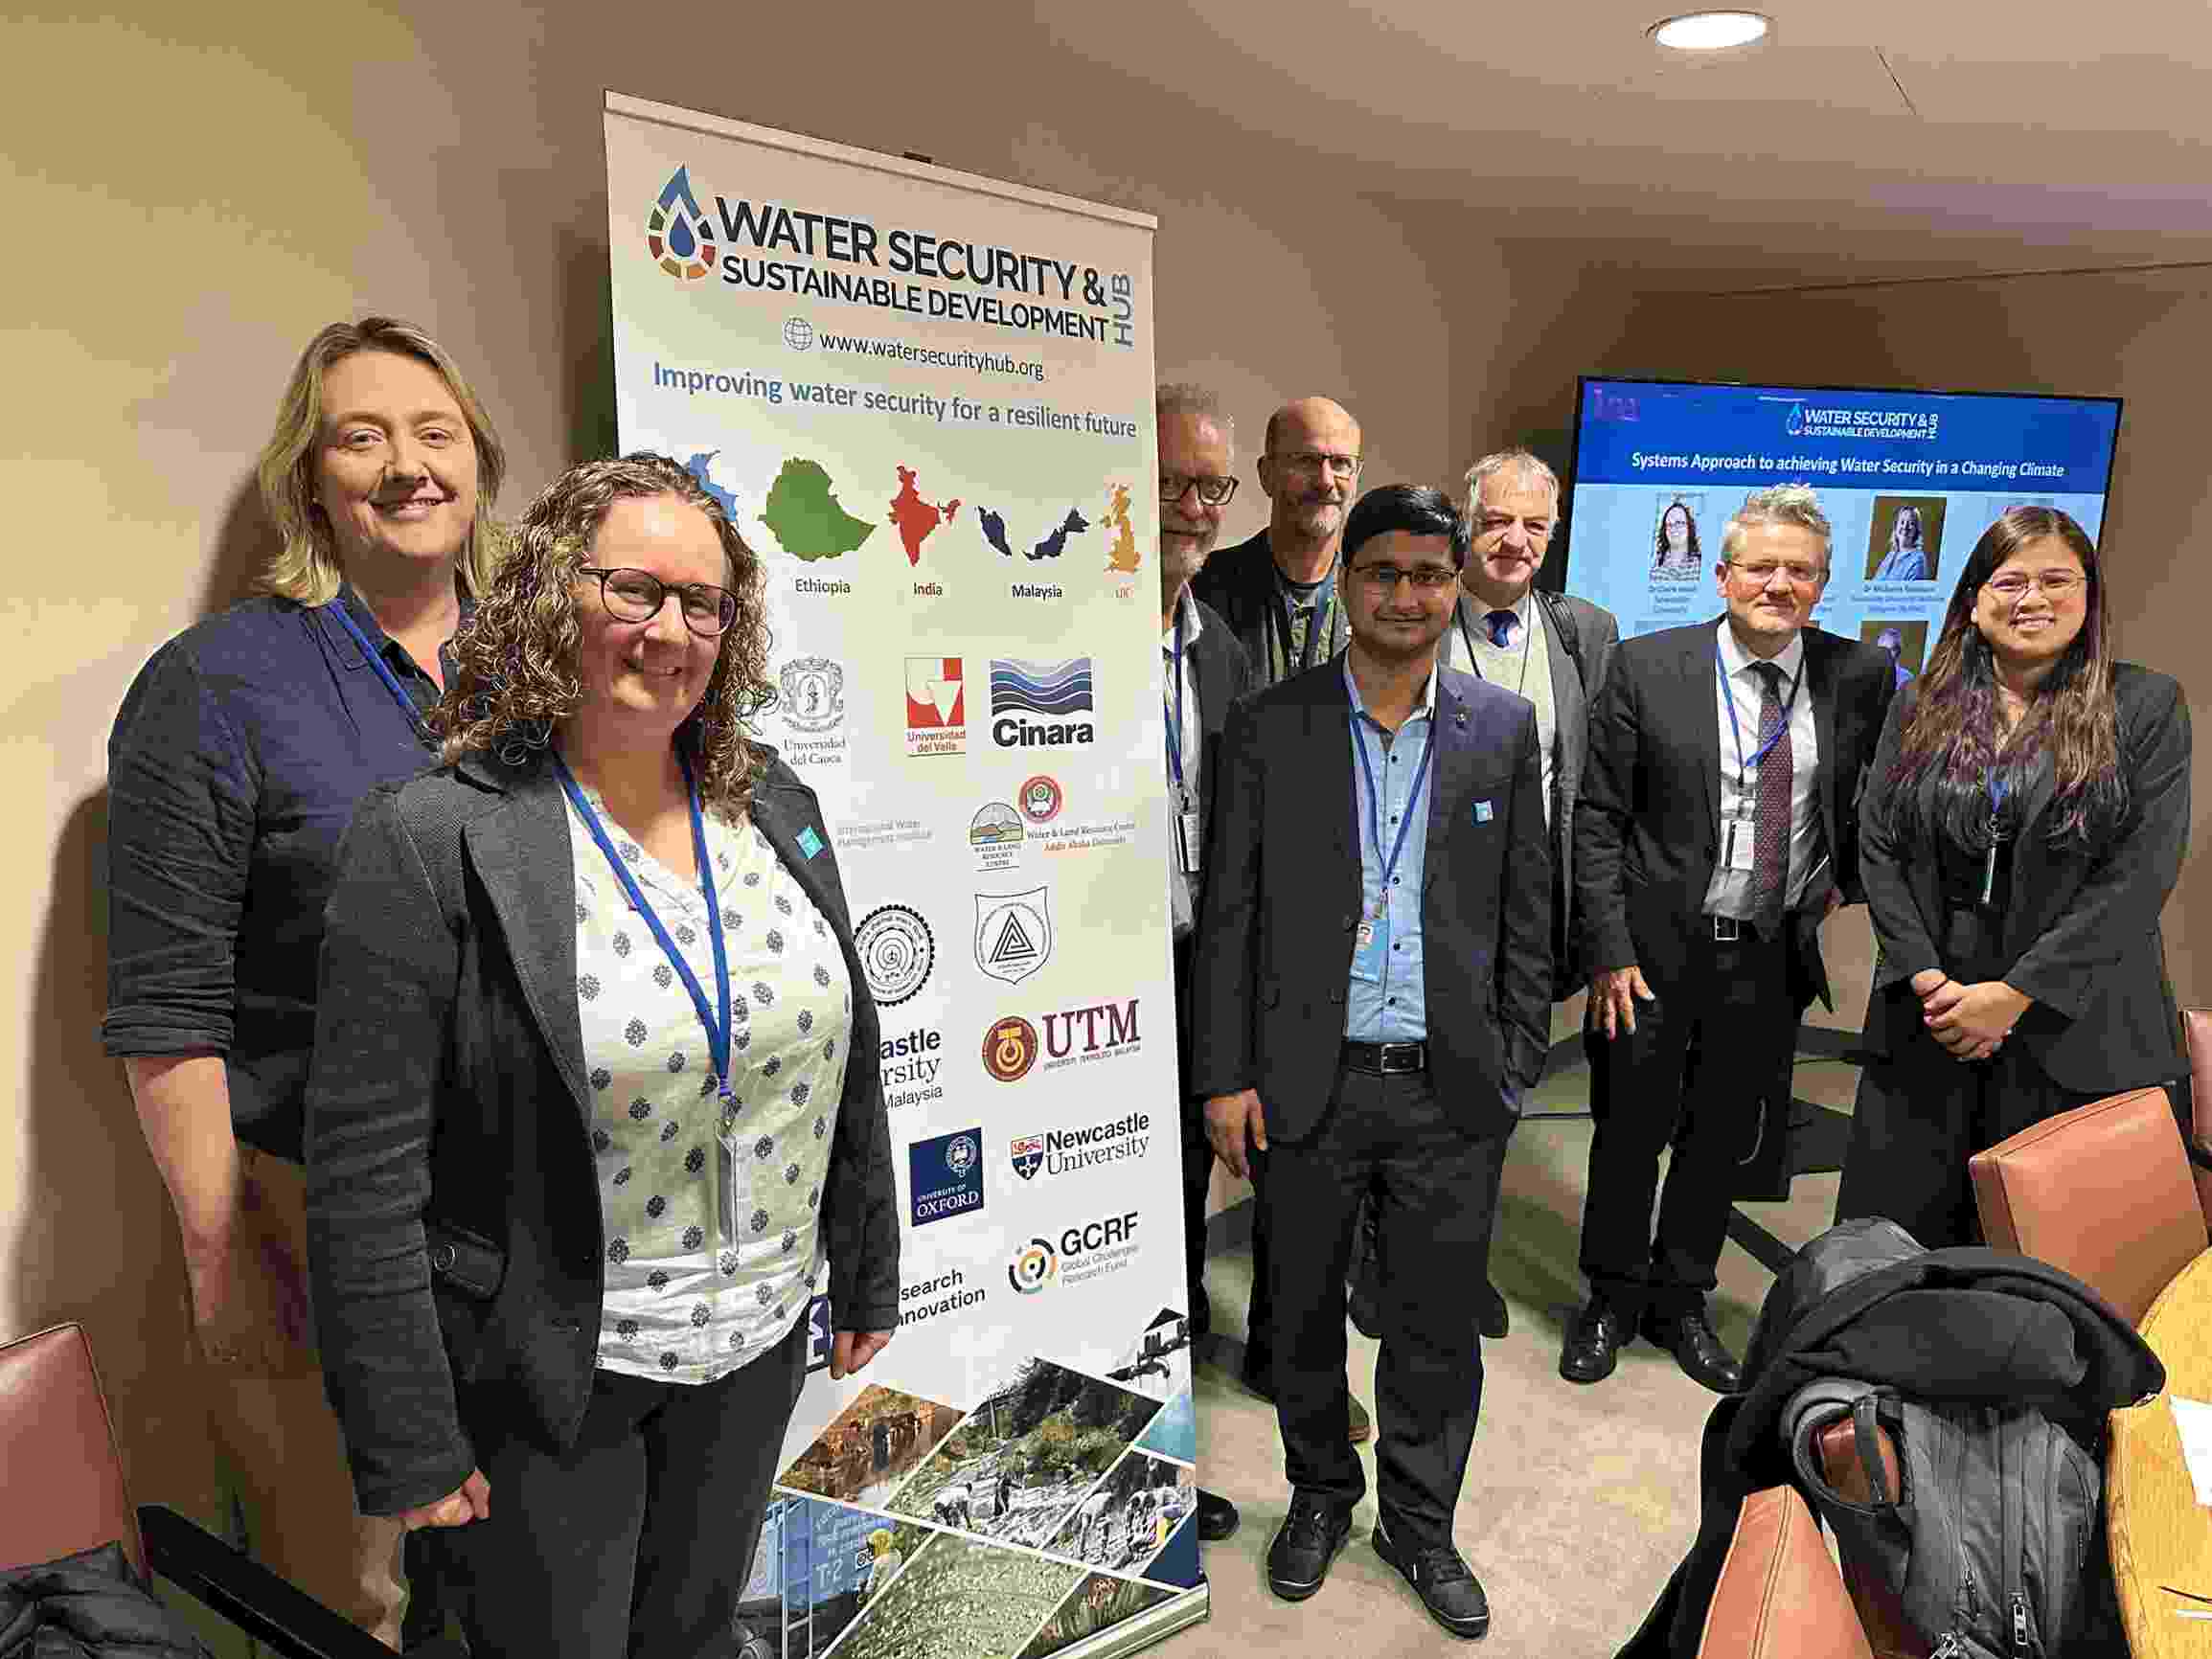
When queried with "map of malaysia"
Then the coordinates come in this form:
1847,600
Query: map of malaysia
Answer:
1050,547
917,519
802,513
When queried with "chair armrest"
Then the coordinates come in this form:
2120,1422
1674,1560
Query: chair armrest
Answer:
267,1607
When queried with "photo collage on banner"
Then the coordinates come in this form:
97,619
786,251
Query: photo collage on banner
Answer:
925,398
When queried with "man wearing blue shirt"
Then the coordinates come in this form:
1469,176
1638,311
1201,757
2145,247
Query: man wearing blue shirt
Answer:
1372,1000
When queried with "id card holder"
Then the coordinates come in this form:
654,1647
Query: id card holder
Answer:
1189,840
734,1163
1370,947
1740,840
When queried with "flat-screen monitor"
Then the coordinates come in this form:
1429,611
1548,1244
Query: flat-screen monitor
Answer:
1909,481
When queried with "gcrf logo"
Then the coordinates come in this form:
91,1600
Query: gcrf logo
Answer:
1099,1234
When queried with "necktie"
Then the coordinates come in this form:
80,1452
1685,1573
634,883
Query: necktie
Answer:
1770,814
1500,624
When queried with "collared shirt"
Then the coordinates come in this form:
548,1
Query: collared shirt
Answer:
694,1289
1521,665
1189,735
1393,1010
1729,894
237,761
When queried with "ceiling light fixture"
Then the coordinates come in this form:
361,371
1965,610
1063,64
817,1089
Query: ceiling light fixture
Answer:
1710,31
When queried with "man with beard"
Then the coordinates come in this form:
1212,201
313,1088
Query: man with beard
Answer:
1548,648
1371,1009
1278,594
1205,670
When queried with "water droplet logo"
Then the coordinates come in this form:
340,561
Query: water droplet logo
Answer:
678,236
1796,424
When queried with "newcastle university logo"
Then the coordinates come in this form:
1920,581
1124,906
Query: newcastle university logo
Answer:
1026,1155
679,237
1012,934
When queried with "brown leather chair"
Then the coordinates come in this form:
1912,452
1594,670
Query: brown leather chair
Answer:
2196,1034
2103,1192
61,1491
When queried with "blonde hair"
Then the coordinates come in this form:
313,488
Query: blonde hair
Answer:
517,677
306,567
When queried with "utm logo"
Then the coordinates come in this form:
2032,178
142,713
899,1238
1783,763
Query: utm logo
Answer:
678,236
1010,1049
936,707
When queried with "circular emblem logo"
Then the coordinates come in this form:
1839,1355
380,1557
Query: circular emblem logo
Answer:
896,951
1041,799
1010,1048
995,823
798,333
1033,1267
961,1155
813,695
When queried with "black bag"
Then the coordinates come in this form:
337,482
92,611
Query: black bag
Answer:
1994,1547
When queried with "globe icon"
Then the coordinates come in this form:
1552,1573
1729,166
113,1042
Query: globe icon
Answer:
798,333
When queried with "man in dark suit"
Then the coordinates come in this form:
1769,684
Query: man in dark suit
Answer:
1204,670
1715,833
1278,594
1372,1004
1550,647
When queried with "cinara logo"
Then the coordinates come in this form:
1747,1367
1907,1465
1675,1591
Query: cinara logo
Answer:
896,951
1033,1267
1010,1048
1036,704
678,235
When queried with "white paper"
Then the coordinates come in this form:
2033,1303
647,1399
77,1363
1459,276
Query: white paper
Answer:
2194,1418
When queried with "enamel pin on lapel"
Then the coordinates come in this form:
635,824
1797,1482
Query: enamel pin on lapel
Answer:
1482,813
809,842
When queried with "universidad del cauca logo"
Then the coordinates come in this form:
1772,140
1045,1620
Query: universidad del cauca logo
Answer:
679,237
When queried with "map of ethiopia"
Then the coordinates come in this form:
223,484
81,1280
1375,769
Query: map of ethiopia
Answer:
915,519
801,512
1050,547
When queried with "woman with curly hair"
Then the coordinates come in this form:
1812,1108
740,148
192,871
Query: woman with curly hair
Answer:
2024,819
595,1110
1675,553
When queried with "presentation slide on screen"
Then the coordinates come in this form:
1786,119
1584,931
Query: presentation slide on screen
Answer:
1909,480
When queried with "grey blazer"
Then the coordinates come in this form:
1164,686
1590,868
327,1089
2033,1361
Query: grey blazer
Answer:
1597,636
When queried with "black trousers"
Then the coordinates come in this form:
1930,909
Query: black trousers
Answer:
1198,1154
1431,1180
1735,999
637,1542
1921,1114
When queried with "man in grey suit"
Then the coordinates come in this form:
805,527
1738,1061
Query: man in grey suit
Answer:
1548,648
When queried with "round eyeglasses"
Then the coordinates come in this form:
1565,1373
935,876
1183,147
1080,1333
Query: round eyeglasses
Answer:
636,596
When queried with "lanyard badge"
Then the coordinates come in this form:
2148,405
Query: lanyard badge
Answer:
414,716
1187,832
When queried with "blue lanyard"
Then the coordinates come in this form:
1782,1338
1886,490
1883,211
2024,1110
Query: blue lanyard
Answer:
1729,697
1175,715
1999,788
1315,630
415,722
1412,800
717,1031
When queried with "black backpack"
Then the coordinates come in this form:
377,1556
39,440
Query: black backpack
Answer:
1995,1546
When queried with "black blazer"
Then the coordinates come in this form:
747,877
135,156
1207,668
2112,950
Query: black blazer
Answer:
1223,671
2082,930
1243,585
1282,898
1647,827
453,1214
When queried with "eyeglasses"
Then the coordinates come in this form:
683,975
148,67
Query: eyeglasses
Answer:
2013,587
1338,467
1425,578
636,596
1212,491
1761,573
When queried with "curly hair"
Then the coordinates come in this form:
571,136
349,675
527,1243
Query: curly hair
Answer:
517,676
1689,523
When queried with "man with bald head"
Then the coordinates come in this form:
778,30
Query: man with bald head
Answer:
1277,593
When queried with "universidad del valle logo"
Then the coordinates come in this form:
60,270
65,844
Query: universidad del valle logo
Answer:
678,236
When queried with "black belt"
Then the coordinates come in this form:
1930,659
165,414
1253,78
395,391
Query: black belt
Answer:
1728,930
1386,1059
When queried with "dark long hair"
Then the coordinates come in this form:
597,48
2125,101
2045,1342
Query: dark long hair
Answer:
1950,737
1690,522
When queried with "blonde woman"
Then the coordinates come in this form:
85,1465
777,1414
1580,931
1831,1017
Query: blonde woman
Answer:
236,763
596,1109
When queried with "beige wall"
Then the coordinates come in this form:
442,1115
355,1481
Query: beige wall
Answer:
2138,335
195,196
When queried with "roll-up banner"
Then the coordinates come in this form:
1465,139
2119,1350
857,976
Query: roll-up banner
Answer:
925,397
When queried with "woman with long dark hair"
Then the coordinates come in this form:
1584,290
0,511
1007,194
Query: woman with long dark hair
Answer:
2023,821
1676,553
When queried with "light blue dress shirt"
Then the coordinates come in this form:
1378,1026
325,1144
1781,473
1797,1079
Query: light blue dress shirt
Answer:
1393,1010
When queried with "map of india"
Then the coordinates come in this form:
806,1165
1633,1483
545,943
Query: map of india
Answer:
1123,555
804,516
915,517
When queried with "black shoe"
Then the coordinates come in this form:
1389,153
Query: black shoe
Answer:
1490,1317
1216,1516
1689,1337
1305,1544
1593,1343
1445,1584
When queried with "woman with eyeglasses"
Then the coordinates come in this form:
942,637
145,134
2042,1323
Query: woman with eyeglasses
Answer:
595,1111
2022,823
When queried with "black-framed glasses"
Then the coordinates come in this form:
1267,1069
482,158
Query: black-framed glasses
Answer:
1384,577
1211,491
1341,468
636,596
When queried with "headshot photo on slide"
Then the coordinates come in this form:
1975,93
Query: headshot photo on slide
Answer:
1905,641
1676,555
1905,538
